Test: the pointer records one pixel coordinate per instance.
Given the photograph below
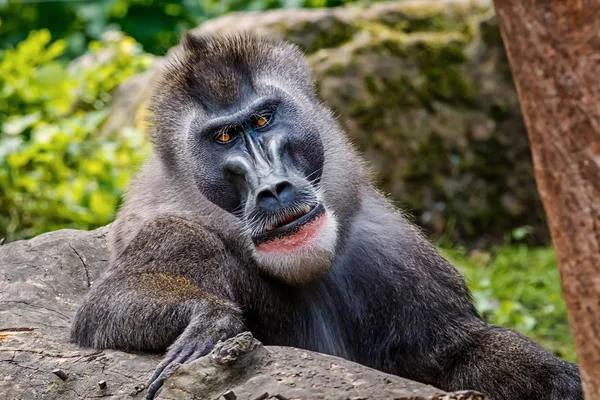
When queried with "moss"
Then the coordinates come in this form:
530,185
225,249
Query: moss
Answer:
336,69
430,16
326,33
438,56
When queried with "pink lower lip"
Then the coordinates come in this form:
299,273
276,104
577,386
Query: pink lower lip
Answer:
291,242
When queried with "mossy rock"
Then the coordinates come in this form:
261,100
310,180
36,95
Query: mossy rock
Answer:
424,90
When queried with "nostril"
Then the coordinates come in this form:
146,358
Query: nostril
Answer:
281,187
285,192
266,194
267,199
272,197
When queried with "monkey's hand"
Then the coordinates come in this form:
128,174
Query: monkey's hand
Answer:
201,335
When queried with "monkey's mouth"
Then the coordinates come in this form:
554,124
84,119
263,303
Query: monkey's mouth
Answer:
289,224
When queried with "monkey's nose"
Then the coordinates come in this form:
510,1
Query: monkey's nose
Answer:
275,196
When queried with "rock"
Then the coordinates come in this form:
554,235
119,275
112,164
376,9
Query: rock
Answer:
42,282
424,90
242,367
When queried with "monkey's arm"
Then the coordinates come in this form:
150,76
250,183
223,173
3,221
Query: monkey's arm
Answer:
435,333
167,288
508,366
456,349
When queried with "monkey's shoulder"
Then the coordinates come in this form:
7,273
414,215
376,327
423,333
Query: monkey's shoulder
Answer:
170,240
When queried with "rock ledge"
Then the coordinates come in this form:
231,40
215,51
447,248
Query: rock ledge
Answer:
42,282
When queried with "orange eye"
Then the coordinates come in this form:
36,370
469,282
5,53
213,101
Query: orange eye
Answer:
224,137
261,122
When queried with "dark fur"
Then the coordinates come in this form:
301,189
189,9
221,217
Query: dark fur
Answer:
182,273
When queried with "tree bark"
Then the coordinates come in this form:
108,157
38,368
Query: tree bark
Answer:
554,51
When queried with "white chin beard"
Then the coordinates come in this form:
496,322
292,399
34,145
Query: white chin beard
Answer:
300,264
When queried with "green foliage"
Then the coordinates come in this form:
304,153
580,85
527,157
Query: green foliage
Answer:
56,170
156,24
519,287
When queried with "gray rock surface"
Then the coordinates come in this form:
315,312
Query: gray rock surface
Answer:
243,368
41,284
42,281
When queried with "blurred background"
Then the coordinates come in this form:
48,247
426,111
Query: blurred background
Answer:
422,87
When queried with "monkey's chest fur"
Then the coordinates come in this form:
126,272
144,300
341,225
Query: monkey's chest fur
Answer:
333,316
299,320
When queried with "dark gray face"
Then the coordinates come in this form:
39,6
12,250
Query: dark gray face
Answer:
261,160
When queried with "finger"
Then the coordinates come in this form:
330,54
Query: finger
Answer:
157,384
169,357
201,352
152,389
166,368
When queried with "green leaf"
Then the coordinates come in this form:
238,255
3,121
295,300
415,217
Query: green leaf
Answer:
17,124
522,232
102,204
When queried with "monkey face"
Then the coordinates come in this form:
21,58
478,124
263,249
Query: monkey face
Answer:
262,160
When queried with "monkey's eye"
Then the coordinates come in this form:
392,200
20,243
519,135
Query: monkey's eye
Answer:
226,135
262,121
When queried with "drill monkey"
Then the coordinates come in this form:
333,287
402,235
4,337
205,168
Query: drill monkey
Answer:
255,213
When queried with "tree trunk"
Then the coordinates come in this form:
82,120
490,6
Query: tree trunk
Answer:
554,51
